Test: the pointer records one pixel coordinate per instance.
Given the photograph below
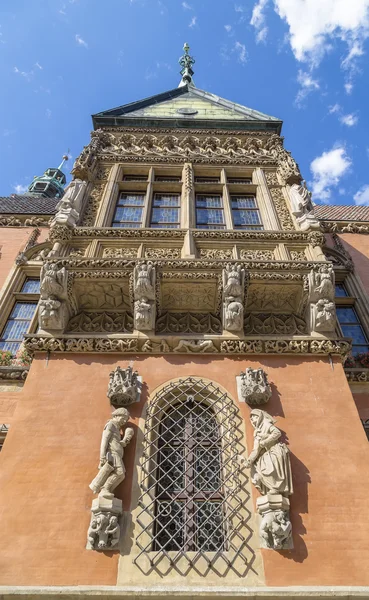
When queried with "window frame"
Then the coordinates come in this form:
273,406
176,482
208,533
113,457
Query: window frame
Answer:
256,209
167,224
129,224
206,226
348,301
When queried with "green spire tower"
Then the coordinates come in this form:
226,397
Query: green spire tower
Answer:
50,184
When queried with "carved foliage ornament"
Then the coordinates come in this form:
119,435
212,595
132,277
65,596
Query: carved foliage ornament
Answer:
254,387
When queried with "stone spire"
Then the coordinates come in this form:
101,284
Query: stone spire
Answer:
50,184
186,61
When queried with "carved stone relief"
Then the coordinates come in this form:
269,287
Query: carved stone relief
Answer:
274,324
188,296
281,208
271,178
120,252
270,467
253,387
256,254
163,253
274,298
223,254
124,386
298,255
177,323
93,204
95,295
85,322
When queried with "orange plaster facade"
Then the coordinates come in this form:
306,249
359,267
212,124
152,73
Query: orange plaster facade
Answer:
12,241
52,450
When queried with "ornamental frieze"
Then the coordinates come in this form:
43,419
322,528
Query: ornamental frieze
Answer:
274,324
105,322
35,343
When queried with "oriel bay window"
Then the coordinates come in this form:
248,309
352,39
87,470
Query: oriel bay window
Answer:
245,213
129,209
209,211
165,211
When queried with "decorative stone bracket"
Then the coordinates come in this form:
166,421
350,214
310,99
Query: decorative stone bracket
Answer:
253,387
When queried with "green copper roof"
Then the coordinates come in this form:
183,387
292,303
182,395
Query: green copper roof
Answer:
186,106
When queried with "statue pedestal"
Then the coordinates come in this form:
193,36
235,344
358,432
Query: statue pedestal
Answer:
275,525
104,531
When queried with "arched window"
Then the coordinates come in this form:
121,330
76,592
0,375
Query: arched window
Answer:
192,499
189,489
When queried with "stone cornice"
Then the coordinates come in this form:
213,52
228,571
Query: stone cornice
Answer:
13,373
357,375
211,345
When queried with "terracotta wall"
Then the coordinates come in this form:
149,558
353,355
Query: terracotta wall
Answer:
52,451
13,241
358,247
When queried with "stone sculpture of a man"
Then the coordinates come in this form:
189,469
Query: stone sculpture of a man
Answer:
111,469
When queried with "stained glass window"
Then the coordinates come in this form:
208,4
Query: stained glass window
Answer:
351,327
17,325
165,211
128,213
207,180
189,494
168,178
340,291
245,213
209,212
136,178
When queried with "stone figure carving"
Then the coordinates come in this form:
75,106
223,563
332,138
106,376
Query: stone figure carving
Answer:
195,346
233,314
86,161
301,206
124,386
269,463
144,295
275,529
321,299
143,315
233,297
325,316
269,460
69,206
111,468
255,388
287,167
53,309
104,529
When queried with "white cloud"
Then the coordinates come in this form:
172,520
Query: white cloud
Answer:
20,189
81,41
28,75
228,28
327,170
48,113
349,120
334,109
193,22
315,24
238,8
39,66
241,51
307,85
348,87
362,196
186,6
258,20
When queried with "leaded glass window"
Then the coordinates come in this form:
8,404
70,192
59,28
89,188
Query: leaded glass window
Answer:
239,180
245,213
209,212
165,211
17,325
129,209
340,291
191,484
31,286
351,327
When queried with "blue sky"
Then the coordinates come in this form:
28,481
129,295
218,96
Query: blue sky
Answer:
304,61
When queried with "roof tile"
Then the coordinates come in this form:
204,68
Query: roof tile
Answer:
27,205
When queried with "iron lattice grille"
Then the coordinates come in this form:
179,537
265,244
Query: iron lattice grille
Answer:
191,503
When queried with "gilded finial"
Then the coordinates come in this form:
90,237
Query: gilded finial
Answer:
65,159
186,61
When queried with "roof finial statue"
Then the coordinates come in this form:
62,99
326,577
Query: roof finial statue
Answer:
186,61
